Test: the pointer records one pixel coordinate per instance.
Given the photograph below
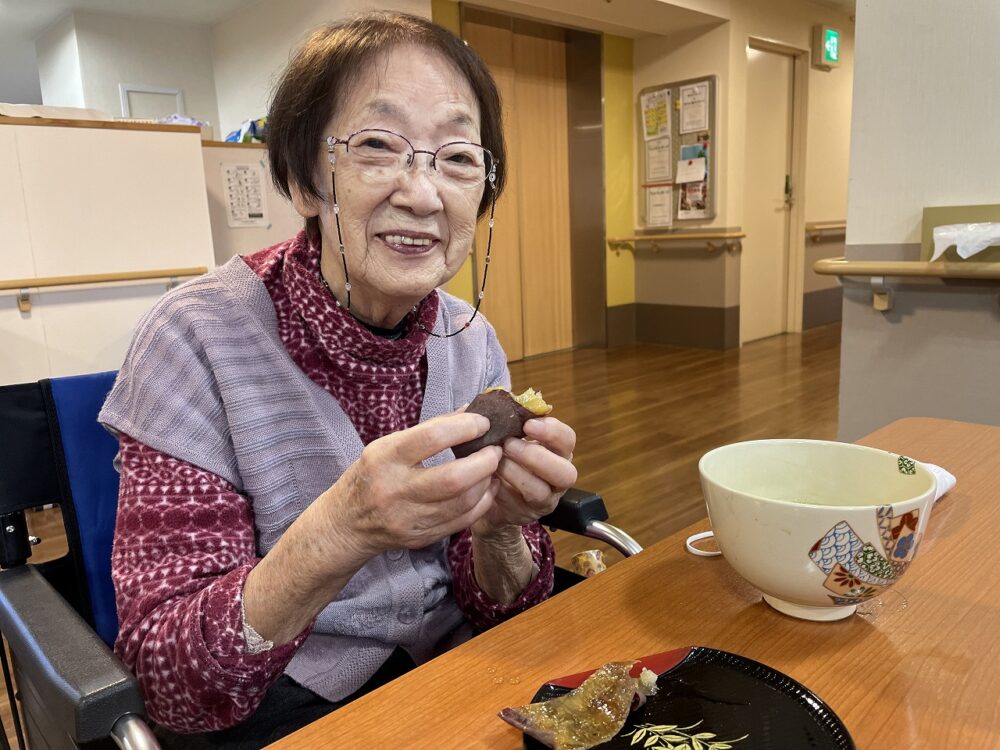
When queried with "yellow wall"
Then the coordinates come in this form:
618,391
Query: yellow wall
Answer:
619,148
446,13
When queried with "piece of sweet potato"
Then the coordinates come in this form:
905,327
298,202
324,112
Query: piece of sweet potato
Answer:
507,417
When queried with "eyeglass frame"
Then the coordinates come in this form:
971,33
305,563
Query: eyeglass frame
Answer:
333,141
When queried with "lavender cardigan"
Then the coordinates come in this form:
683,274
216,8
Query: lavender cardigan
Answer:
208,380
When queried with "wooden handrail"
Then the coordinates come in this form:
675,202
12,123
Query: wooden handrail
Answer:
925,269
879,270
41,282
99,124
730,240
825,226
816,230
101,278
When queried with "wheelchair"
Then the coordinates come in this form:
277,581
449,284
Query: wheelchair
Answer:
58,617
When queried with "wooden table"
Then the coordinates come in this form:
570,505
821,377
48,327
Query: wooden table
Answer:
920,671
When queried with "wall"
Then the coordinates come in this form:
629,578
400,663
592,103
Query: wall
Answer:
19,82
283,221
463,284
927,93
827,148
92,200
251,48
687,295
116,49
619,184
59,64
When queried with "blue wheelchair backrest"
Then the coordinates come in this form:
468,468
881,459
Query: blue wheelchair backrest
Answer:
88,451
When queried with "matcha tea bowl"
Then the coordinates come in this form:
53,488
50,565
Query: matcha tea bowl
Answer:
817,526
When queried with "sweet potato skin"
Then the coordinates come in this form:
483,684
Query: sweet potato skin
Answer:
507,418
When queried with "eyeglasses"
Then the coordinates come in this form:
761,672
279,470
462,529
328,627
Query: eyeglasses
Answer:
382,156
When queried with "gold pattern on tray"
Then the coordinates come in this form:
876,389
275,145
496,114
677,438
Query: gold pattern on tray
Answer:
673,737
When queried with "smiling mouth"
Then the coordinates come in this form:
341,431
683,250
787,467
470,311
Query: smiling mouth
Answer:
408,244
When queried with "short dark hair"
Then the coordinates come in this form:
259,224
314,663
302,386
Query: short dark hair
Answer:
321,72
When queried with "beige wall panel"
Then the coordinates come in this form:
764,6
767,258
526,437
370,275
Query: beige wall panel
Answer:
919,96
114,200
502,304
15,240
89,330
833,248
540,95
229,241
23,357
934,354
681,276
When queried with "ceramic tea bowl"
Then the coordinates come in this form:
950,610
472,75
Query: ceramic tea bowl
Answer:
817,526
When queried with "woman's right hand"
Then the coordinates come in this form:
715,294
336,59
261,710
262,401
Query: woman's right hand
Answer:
388,500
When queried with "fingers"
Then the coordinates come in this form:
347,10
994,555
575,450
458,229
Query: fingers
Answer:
525,461
454,478
429,438
550,432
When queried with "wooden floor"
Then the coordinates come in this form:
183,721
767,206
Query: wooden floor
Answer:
645,414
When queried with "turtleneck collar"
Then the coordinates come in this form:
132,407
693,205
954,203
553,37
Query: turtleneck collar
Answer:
338,333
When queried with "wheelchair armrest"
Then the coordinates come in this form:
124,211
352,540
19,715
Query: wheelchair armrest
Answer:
83,686
584,513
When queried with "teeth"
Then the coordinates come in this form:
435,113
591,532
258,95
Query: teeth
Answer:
402,239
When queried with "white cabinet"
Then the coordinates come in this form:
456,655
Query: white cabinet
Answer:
92,198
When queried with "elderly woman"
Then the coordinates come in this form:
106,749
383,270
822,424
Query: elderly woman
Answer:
293,528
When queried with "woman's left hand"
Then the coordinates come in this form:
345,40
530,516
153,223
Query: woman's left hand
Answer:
533,474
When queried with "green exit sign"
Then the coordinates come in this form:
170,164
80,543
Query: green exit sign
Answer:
826,47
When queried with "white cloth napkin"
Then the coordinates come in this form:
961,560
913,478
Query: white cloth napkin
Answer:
945,483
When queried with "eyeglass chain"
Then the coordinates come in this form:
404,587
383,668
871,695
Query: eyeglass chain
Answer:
420,325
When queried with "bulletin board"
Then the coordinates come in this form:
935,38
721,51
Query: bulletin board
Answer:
677,153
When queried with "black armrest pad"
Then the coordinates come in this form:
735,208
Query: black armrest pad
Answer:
81,683
576,509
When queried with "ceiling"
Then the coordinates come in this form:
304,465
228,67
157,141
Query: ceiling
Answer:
25,19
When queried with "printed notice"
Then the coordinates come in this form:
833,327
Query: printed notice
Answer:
659,202
658,160
692,170
244,189
655,114
694,107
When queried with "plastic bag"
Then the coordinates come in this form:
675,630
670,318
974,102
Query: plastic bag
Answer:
251,131
968,239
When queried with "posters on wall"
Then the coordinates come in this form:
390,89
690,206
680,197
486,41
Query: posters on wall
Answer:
692,191
243,185
659,204
658,158
694,107
656,114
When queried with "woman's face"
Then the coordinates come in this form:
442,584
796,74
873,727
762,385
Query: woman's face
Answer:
405,235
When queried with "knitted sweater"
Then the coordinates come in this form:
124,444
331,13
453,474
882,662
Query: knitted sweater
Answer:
208,380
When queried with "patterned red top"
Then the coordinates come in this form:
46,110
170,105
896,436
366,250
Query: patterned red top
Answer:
184,537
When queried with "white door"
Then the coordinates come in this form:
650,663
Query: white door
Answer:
764,263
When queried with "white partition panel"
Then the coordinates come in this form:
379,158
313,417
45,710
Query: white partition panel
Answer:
101,201
15,244
92,200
